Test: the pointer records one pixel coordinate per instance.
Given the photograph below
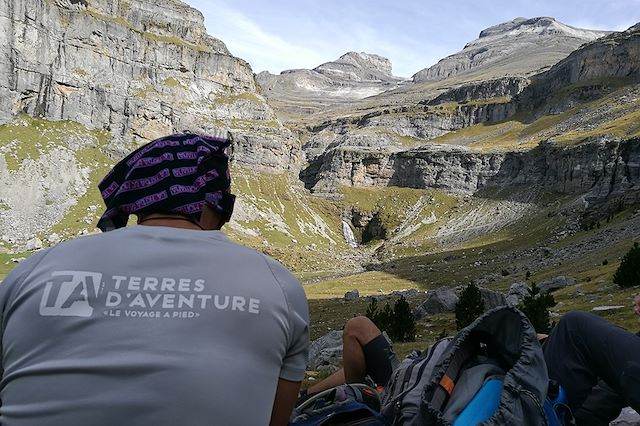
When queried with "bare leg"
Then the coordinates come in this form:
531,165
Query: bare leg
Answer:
357,333
332,381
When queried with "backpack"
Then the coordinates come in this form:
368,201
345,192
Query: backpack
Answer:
345,405
499,345
402,396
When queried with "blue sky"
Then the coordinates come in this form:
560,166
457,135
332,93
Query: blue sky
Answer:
276,35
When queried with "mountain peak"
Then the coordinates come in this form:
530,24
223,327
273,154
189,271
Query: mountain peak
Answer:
540,26
366,66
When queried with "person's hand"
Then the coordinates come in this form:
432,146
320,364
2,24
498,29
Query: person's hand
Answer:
636,305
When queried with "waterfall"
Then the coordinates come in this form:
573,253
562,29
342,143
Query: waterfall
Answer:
348,235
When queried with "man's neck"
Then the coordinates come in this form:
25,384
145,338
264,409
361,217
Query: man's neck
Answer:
169,220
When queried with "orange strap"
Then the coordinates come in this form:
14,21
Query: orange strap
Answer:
447,384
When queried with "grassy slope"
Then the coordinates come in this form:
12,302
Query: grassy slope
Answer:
523,131
28,138
478,258
302,231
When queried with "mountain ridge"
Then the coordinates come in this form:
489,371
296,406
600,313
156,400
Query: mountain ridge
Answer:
526,45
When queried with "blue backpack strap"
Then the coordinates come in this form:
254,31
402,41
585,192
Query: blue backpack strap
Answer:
342,404
483,404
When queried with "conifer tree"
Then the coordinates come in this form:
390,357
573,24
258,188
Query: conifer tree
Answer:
469,307
404,323
372,310
628,273
385,318
398,321
536,307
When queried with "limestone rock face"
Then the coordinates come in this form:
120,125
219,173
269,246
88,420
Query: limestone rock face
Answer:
455,169
600,169
137,69
517,47
614,56
507,86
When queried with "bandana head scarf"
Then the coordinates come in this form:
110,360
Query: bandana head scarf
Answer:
175,174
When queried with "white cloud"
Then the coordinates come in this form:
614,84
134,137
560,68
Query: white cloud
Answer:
247,40
325,38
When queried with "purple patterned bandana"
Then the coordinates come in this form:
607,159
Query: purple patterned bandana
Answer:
176,174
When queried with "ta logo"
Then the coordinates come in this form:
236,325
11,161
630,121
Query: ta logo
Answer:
70,294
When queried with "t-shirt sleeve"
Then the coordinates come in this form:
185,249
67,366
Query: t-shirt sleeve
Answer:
17,276
12,282
295,361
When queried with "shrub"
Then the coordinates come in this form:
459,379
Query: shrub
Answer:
398,321
536,307
628,273
469,307
372,310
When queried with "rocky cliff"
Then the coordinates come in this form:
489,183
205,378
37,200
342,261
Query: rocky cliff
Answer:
84,81
616,56
137,69
513,48
601,169
481,90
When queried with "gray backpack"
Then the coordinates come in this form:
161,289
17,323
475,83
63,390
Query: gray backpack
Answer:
402,396
501,341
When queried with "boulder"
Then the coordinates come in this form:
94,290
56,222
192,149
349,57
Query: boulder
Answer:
607,308
556,283
405,293
352,295
54,239
627,417
443,299
492,299
326,350
517,292
545,251
488,279
33,244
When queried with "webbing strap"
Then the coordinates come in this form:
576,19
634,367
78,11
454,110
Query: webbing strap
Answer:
447,384
448,381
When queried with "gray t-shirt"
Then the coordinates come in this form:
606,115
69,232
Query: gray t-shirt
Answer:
149,326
